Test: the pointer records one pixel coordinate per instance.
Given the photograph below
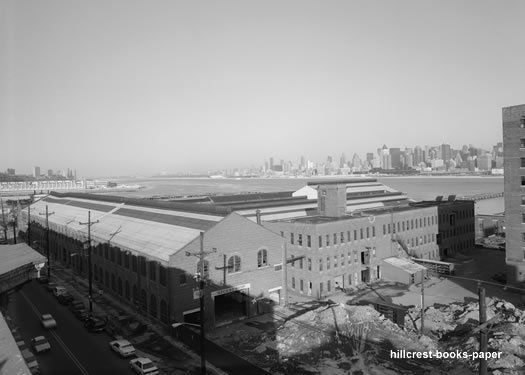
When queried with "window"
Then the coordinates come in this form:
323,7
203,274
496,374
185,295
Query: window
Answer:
361,233
282,234
126,260
152,271
328,285
309,241
523,237
321,287
300,239
523,217
234,264
162,275
523,199
522,122
335,260
327,240
301,263
293,282
398,227
112,254
355,234
522,162
321,264
291,238
367,232
142,263
389,228
262,258
182,279
320,241
301,285
342,259
348,236
203,268
403,226
327,263
411,223
373,231
384,229
342,238
309,264
522,143
335,238
119,257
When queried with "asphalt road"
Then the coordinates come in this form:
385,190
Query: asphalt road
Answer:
74,350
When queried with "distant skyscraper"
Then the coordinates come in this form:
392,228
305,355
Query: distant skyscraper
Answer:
342,161
36,172
386,161
485,162
266,166
446,152
49,172
11,171
303,163
271,164
369,156
514,182
395,154
418,155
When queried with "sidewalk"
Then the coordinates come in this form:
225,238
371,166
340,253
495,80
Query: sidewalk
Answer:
169,355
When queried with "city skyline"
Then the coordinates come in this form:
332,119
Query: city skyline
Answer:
179,87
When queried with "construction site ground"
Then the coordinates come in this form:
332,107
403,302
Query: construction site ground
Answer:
338,336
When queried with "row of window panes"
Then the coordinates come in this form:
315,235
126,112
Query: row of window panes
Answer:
341,258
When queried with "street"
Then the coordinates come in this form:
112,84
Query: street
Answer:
74,350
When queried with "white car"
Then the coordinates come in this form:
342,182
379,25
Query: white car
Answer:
122,347
40,344
143,366
48,322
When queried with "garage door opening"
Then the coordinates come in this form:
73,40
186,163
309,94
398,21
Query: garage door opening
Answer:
193,316
230,306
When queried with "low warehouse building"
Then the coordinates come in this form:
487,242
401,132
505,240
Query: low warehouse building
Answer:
402,270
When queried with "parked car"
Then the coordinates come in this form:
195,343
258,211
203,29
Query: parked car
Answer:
122,347
76,305
58,290
40,344
82,315
51,286
65,298
48,321
95,324
30,360
143,366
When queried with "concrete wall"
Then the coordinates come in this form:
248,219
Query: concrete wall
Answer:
391,273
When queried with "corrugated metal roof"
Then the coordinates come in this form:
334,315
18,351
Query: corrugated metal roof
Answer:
182,221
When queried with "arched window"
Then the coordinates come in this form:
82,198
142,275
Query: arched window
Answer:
163,311
206,272
119,285
234,264
143,300
262,258
126,290
153,306
135,295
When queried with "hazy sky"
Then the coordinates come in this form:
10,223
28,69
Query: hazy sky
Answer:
126,87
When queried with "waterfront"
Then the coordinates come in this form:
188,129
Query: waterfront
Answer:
418,188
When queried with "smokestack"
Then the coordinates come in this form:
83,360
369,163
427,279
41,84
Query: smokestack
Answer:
258,216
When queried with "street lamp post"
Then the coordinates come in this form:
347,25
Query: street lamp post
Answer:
88,247
47,213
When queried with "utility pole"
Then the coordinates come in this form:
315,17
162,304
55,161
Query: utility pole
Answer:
422,302
483,333
4,224
47,213
90,275
223,268
29,225
285,275
201,278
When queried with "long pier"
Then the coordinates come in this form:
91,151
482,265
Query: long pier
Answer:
479,197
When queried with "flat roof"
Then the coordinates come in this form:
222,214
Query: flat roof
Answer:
340,181
15,256
404,264
11,358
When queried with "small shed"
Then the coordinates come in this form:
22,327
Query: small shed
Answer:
402,270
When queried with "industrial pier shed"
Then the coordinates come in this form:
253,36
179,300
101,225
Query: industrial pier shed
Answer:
148,256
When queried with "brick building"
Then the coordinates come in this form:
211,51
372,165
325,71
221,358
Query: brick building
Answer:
514,183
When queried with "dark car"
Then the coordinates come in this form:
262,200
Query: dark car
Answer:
82,315
76,305
95,324
500,278
50,286
65,298
43,280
